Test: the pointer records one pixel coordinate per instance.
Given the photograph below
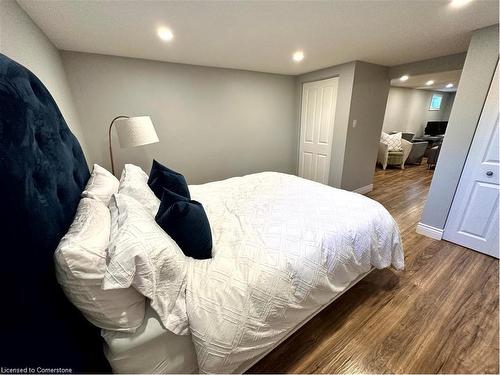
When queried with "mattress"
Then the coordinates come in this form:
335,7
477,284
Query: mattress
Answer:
283,248
154,349
151,349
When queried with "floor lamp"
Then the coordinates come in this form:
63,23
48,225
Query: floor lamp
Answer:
132,132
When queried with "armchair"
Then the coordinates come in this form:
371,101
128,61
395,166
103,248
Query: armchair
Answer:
417,153
386,157
433,156
405,135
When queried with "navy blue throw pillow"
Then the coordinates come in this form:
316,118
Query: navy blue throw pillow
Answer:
162,177
187,223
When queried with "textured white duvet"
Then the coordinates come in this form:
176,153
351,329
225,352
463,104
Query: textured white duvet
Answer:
283,246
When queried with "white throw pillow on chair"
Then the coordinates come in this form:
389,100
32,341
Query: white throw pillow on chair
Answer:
393,141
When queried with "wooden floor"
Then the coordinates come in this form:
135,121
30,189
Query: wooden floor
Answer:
439,315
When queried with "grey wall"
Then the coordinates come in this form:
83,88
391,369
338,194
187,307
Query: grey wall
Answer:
345,72
217,123
369,97
438,64
408,110
477,74
212,123
362,96
24,42
448,105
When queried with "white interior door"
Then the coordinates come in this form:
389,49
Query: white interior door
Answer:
319,100
473,219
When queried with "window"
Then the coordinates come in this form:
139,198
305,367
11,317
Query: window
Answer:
436,102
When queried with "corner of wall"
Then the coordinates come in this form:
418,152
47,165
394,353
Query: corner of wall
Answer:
345,72
23,41
368,103
477,74
429,231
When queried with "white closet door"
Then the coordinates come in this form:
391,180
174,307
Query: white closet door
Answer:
473,219
319,100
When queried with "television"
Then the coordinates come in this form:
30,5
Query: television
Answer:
435,127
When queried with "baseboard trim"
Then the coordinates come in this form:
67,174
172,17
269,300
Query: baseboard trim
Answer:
428,231
364,189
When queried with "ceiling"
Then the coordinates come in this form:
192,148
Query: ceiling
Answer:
440,79
262,35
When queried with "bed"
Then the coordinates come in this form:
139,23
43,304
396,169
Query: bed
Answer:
43,172
146,350
284,248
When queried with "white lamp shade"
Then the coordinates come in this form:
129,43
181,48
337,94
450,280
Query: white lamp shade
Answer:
136,131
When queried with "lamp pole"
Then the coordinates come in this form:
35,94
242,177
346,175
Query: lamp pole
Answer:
110,146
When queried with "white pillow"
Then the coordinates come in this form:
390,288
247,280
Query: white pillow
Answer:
134,183
101,185
80,261
141,254
393,141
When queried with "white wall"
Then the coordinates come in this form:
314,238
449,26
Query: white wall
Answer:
212,123
24,42
408,110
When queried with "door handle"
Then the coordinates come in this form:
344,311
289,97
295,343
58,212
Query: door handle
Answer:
489,173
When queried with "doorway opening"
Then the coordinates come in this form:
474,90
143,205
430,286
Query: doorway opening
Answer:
415,122
416,117
414,128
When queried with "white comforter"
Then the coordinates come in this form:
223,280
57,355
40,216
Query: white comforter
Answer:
283,246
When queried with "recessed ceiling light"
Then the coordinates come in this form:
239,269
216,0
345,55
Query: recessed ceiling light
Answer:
428,83
459,3
165,34
449,85
298,56
404,78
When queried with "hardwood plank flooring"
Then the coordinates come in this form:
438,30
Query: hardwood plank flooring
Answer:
439,315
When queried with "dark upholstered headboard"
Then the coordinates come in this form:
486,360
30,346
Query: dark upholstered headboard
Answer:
42,174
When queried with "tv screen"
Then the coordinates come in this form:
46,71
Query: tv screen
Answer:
436,127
